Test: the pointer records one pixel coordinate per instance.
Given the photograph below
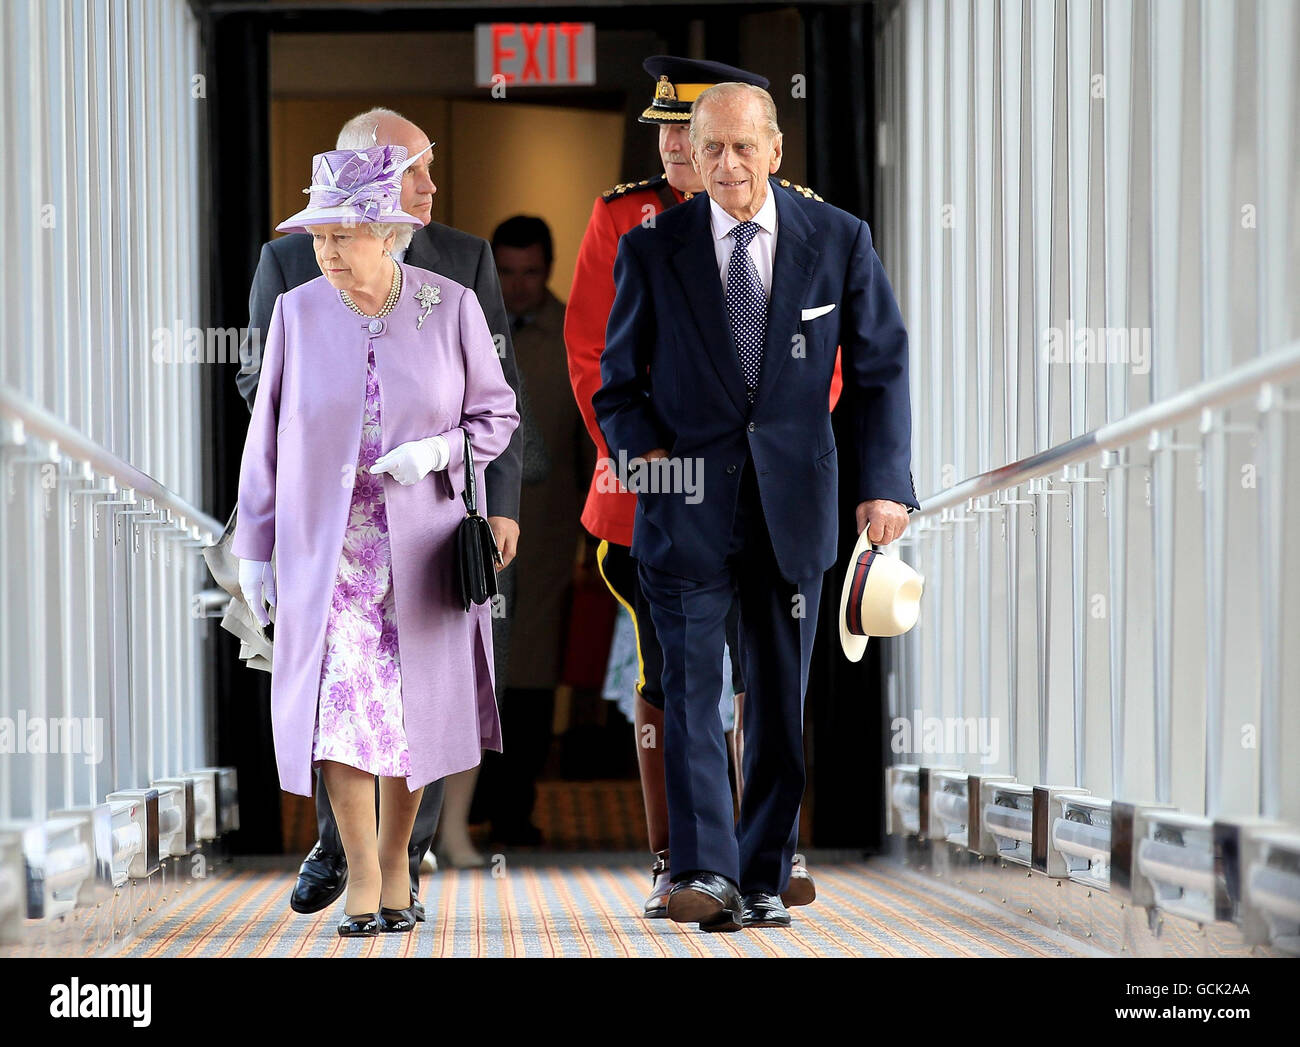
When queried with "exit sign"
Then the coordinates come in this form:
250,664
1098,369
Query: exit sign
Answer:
534,54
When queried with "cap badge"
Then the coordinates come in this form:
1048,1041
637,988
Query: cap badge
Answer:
664,90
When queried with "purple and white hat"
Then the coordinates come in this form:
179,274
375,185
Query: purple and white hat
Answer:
355,185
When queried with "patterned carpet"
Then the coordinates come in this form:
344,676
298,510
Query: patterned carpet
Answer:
552,906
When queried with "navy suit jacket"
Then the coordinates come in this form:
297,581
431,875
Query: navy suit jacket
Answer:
671,378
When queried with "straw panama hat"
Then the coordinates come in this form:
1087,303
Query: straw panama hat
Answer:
881,596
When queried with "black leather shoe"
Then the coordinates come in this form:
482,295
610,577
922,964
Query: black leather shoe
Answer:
400,921
656,906
760,909
321,880
363,925
706,898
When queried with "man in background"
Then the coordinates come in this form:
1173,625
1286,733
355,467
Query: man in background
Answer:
557,460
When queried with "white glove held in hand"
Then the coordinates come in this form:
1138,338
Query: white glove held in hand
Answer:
413,461
257,583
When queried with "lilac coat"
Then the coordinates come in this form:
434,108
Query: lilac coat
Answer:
295,493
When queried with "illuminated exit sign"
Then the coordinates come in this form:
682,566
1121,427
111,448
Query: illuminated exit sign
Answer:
534,54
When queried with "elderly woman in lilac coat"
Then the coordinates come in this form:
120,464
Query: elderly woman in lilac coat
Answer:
351,480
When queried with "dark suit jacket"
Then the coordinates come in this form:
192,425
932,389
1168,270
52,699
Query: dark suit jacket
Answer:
290,261
672,379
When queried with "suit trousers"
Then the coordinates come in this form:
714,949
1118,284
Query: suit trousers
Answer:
422,832
778,620
507,783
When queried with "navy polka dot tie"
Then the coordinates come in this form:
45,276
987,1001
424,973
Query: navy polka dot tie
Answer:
746,305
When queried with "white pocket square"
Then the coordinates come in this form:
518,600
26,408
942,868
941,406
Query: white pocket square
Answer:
821,310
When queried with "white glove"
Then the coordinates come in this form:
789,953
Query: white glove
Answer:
257,583
414,460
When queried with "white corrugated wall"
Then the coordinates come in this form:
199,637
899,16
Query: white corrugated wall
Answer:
1110,169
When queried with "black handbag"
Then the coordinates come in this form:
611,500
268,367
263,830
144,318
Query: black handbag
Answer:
476,548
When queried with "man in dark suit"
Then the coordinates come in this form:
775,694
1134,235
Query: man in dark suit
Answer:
289,261
716,372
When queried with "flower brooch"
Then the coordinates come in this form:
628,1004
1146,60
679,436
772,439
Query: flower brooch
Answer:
427,296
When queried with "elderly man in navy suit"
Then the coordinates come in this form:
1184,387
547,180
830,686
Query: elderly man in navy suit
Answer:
715,380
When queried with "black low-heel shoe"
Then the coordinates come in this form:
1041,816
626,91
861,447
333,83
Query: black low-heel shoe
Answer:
363,925
399,921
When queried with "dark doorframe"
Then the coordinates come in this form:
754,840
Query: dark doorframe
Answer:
845,713
846,709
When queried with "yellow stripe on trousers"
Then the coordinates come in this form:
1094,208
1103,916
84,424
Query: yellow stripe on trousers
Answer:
601,551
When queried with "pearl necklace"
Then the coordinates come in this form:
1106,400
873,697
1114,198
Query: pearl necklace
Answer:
393,292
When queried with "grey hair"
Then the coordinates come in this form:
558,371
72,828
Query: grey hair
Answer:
359,133
724,92
402,229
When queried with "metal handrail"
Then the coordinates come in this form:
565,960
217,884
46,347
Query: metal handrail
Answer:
1282,365
37,421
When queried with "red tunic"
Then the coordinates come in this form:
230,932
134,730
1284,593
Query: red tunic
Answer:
609,510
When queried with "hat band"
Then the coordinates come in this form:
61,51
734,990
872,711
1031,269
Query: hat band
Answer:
853,613
368,201
690,92
683,94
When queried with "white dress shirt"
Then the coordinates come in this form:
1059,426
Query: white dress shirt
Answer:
762,248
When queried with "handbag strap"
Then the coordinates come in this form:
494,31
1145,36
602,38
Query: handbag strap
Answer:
470,494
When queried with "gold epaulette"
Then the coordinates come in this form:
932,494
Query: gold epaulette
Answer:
802,190
623,188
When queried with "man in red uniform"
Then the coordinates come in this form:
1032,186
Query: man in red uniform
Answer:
610,508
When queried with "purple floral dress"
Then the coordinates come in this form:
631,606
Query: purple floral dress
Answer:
359,710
